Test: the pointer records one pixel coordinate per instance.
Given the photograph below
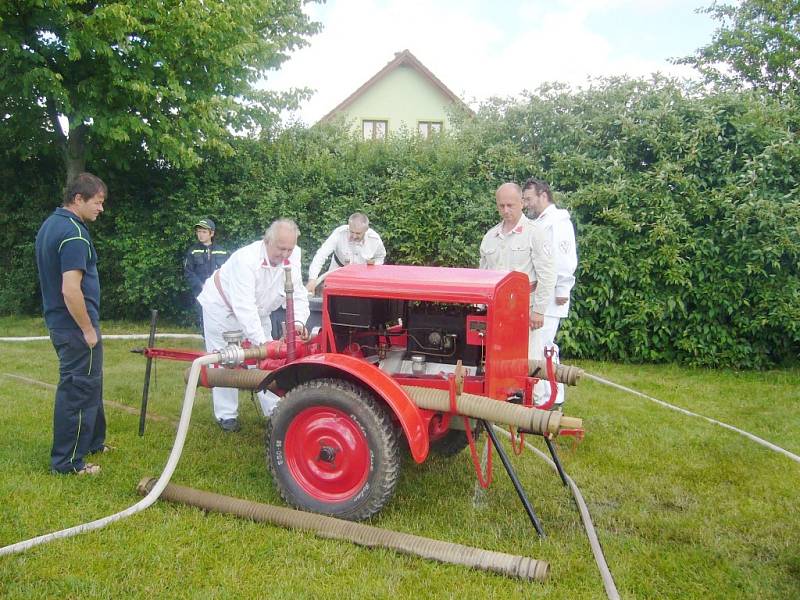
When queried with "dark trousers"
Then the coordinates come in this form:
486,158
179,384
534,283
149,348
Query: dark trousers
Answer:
79,423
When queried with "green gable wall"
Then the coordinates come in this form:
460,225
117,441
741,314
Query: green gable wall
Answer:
402,97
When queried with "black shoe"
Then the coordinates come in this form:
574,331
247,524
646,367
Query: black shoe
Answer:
229,425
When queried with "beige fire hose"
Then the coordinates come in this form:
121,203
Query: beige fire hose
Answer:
563,373
479,407
358,533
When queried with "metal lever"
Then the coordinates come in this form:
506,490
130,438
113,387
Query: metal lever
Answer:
146,388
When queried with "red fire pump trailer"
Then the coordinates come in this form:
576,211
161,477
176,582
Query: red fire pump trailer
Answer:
416,356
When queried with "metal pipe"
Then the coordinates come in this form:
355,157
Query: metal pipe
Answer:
552,447
365,535
290,332
537,525
586,518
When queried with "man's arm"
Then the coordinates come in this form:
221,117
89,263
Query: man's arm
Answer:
566,259
76,305
195,283
379,256
545,265
482,249
327,248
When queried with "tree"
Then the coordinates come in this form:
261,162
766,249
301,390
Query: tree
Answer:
164,78
758,45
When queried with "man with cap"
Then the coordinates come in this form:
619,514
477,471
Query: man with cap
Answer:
354,243
202,259
242,294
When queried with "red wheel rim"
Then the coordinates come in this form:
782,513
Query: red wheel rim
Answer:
327,454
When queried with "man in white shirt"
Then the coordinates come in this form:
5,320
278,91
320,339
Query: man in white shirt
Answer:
516,244
354,243
539,206
241,295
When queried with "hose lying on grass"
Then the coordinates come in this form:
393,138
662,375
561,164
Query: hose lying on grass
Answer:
169,469
358,533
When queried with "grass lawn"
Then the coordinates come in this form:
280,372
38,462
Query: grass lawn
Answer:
683,508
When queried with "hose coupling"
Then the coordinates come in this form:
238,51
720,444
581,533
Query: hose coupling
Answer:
231,356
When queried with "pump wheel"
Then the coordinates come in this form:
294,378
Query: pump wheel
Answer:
331,449
452,442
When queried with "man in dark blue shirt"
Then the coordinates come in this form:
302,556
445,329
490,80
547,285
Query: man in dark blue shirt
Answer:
67,262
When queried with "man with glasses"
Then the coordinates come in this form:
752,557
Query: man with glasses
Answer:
355,243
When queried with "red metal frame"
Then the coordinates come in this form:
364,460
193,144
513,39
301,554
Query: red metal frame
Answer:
506,350
174,354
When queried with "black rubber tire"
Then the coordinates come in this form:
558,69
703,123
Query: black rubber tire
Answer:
453,442
375,424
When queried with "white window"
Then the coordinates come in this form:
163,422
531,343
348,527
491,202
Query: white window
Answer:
428,128
374,130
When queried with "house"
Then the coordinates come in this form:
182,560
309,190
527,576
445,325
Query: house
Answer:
404,94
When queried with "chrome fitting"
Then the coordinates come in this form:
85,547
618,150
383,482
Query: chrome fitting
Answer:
231,356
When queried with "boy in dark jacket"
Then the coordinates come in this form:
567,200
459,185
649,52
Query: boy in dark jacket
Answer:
202,259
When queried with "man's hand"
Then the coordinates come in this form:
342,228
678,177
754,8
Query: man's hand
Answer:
561,300
76,305
536,320
90,335
302,332
311,286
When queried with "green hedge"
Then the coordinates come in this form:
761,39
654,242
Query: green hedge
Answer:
686,209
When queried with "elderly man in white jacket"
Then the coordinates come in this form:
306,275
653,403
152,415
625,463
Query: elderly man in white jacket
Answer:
538,200
355,243
515,244
241,295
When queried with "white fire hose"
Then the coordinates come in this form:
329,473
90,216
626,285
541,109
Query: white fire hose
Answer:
163,480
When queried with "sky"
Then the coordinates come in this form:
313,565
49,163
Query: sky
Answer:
485,48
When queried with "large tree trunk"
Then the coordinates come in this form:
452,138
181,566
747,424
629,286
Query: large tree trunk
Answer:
75,152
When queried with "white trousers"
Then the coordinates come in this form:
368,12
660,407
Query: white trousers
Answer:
538,339
226,400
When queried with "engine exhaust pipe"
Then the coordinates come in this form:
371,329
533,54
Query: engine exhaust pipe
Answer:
364,535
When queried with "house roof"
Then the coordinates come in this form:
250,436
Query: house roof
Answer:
400,58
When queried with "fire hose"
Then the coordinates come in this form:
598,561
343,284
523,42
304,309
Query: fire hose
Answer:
511,565
479,407
586,518
358,533
230,354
